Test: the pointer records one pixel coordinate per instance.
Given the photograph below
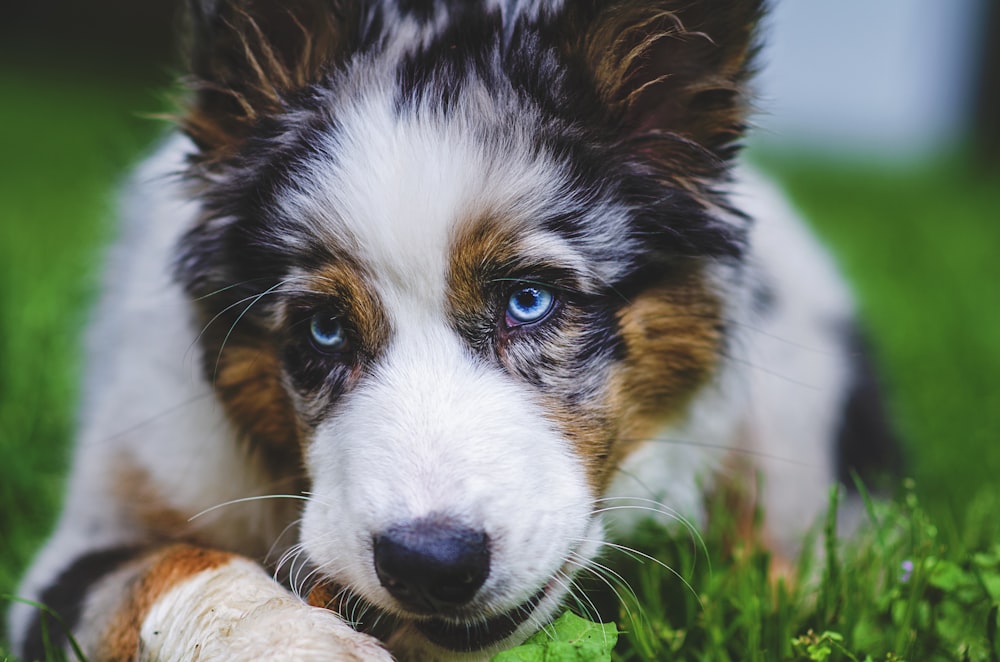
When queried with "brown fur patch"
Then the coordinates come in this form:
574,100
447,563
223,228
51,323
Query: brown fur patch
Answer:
670,66
324,595
345,283
480,251
672,335
136,491
248,382
490,248
158,574
593,431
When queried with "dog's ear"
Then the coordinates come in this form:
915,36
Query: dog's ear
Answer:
248,56
677,67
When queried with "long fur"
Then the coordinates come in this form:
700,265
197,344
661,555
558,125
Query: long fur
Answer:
421,297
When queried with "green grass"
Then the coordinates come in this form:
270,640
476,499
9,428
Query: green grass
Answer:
64,144
897,592
919,243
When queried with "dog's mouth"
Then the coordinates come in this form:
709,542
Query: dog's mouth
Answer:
454,634
472,636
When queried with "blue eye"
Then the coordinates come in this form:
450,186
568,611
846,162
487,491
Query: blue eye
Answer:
529,304
328,332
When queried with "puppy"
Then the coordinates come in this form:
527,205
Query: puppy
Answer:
418,296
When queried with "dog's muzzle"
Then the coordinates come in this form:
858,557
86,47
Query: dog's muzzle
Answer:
434,566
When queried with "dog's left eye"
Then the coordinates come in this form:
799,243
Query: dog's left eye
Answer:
328,332
529,304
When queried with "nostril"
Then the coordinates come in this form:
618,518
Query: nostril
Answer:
433,563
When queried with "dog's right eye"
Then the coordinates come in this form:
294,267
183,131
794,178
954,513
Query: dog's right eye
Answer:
529,304
328,333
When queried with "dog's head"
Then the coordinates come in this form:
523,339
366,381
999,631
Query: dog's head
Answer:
458,260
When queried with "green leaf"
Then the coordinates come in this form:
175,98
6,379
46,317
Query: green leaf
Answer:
569,639
949,577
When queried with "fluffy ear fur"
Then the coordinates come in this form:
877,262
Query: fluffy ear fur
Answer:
248,56
675,67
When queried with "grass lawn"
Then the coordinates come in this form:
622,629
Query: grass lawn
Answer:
919,243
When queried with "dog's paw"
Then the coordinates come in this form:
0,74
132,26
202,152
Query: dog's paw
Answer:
236,613
276,631
279,629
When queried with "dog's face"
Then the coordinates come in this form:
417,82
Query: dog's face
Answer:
458,268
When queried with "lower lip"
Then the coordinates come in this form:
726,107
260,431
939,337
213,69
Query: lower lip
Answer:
475,636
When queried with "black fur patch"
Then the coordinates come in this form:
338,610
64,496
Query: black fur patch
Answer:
66,596
866,444
423,10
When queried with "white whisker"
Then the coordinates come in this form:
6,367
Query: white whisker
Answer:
658,508
245,500
606,575
229,333
603,573
288,527
588,609
253,298
639,556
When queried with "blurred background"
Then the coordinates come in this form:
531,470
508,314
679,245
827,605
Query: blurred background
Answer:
887,78
882,120
893,79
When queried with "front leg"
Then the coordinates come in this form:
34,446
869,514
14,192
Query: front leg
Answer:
184,602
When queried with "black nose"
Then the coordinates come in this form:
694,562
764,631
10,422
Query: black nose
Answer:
432,564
